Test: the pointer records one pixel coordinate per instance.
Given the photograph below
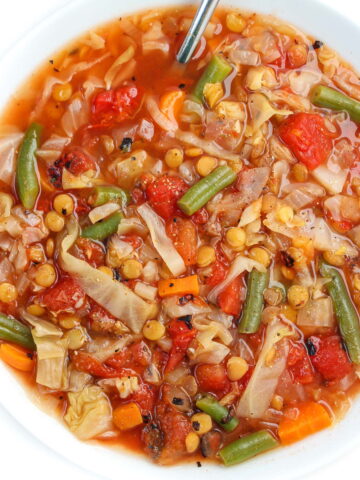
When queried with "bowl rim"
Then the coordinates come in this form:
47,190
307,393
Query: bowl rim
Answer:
90,455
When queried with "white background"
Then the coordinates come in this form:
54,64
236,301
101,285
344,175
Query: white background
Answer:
20,453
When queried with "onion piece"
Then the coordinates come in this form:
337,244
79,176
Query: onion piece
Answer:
161,241
251,213
238,266
76,115
317,313
103,211
263,382
209,147
114,296
124,57
333,181
158,116
173,310
51,149
148,292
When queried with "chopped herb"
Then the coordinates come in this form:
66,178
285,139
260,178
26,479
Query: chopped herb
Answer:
126,144
146,418
287,259
317,44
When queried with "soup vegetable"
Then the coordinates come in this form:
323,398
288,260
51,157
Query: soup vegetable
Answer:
179,244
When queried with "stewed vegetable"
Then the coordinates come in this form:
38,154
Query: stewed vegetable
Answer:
180,244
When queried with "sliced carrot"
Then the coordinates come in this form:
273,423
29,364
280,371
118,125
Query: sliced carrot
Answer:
127,416
312,418
179,286
171,103
17,357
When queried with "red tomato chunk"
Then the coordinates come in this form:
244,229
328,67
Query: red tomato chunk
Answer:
307,137
163,194
114,106
65,296
329,357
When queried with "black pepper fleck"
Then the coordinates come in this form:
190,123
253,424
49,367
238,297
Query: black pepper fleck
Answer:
310,347
198,464
196,426
317,44
51,61
182,85
126,144
171,284
177,401
187,320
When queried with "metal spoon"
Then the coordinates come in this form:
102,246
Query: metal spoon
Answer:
197,28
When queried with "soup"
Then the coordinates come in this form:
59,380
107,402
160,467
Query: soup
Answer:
180,243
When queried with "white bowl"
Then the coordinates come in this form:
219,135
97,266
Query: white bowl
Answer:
284,463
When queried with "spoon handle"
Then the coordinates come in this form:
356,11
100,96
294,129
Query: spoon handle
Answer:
197,28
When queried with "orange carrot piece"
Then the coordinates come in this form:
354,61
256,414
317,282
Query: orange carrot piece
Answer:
17,357
179,286
312,418
127,416
171,103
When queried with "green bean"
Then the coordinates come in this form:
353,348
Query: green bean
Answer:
14,331
27,182
216,71
218,412
103,229
108,193
254,302
326,97
346,315
247,447
200,193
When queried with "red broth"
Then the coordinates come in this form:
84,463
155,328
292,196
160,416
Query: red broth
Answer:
185,320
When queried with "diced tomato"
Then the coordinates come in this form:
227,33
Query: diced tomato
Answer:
163,194
116,105
84,362
200,217
328,357
138,196
76,161
308,138
65,296
183,234
145,398
93,252
341,226
219,269
230,299
44,204
134,240
212,378
181,333
137,354
81,206
174,426
299,364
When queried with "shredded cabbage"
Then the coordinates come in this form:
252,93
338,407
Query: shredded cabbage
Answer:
262,385
317,313
125,57
261,110
238,266
114,296
52,352
333,181
89,413
161,241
